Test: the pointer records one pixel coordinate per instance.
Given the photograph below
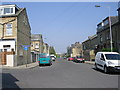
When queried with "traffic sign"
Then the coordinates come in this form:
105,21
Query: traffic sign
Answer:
25,47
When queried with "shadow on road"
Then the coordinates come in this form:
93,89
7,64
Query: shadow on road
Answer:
8,82
110,73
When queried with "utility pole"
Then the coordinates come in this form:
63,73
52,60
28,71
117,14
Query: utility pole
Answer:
111,41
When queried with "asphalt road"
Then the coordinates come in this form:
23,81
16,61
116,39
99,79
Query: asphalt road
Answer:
62,74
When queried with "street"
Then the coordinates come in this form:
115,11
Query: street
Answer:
62,74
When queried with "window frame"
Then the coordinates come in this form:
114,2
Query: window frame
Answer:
9,30
10,10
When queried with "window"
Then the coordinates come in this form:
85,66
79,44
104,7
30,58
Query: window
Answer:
101,39
32,45
9,29
8,10
112,56
99,26
5,50
6,46
106,22
102,57
36,46
0,50
1,10
108,36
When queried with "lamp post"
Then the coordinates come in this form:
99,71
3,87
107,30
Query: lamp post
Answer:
109,26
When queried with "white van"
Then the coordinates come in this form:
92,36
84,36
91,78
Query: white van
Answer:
53,57
107,61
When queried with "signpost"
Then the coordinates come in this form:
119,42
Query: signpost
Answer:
26,49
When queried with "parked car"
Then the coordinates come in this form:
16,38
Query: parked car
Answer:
107,61
79,59
44,59
53,58
71,58
65,57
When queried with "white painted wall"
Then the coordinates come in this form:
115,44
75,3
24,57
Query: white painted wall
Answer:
9,42
10,60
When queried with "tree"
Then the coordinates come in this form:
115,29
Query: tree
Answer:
52,50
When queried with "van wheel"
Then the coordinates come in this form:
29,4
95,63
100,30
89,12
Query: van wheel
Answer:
105,69
96,66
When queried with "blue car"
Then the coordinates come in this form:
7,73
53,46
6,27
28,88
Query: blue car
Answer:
44,59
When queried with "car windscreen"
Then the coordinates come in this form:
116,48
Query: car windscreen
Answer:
43,55
52,56
112,56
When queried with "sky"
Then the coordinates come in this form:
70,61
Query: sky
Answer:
64,23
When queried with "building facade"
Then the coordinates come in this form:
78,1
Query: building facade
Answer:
89,47
75,50
101,41
119,10
103,32
119,24
45,48
15,32
36,46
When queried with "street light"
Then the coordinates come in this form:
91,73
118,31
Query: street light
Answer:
109,26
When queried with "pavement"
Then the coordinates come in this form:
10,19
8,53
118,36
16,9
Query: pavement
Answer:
31,65
90,62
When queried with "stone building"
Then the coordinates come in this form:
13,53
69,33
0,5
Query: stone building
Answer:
45,48
15,32
89,47
75,50
119,24
36,46
103,32
119,10
101,40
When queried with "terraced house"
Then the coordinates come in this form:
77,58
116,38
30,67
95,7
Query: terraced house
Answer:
15,32
75,50
36,46
101,41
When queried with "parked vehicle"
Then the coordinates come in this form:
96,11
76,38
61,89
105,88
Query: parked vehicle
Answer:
65,57
79,59
107,61
52,57
71,58
44,59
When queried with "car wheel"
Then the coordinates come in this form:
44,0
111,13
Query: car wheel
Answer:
105,69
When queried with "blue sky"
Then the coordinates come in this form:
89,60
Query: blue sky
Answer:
64,23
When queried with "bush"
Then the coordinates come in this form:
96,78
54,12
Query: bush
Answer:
109,50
